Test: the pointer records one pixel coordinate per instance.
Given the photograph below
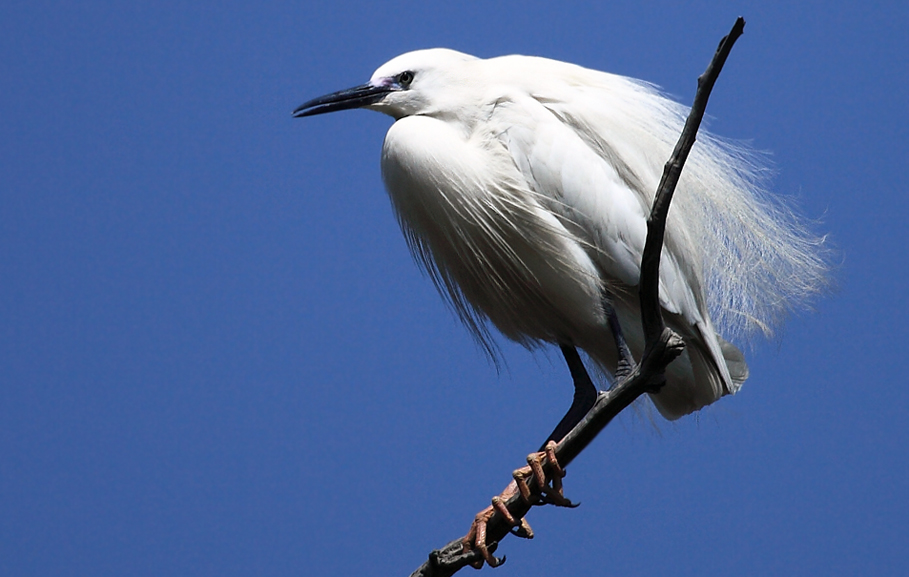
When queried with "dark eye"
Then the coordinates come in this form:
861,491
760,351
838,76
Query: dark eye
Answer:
405,78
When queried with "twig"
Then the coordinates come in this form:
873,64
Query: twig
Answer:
662,345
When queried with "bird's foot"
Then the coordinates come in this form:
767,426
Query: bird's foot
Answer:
476,537
625,368
546,491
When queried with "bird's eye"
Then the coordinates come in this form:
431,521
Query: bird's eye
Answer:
405,78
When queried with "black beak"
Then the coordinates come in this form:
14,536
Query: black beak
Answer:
355,97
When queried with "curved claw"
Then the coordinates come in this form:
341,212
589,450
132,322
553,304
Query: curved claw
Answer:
523,530
486,550
558,501
476,537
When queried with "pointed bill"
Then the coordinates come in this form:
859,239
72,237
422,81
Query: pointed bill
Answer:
356,97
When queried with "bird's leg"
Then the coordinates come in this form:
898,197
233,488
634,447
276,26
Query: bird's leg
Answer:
626,360
585,394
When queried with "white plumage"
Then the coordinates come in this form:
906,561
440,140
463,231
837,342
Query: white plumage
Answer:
523,184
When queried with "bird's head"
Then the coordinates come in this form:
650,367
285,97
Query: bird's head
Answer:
419,82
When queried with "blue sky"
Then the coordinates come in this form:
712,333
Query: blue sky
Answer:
217,358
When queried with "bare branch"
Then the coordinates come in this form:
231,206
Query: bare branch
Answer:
662,345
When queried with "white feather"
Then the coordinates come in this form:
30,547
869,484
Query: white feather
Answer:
522,185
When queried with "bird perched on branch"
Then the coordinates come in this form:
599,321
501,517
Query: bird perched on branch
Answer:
523,187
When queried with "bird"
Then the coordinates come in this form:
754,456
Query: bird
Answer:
523,184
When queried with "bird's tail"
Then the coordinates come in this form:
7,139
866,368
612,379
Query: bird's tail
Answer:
710,368
735,362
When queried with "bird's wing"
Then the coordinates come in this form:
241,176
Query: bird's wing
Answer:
587,193
597,204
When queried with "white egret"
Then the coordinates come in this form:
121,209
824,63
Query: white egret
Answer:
523,185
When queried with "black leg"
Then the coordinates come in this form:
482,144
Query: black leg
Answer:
626,361
585,394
